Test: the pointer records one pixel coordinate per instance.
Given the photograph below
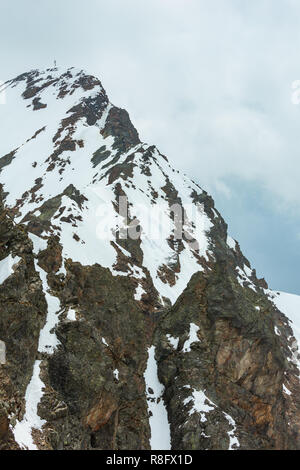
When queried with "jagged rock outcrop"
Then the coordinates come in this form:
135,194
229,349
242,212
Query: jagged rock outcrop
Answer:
22,315
217,347
131,320
97,370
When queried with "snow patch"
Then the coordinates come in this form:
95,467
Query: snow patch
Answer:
39,244
232,438
277,331
286,390
48,340
289,304
7,267
193,338
243,277
71,315
200,405
139,292
159,424
23,429
231,242
173,341
203,405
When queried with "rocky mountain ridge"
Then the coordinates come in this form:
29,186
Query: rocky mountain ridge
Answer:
138,322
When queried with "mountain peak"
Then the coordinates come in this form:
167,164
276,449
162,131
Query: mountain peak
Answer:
118,275
58,75
77,157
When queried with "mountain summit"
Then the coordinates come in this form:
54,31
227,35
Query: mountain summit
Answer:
130,319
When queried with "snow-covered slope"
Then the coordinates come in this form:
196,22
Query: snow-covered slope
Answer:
67,152
289,304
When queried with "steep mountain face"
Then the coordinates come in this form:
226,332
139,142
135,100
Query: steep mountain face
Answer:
23,313
131,320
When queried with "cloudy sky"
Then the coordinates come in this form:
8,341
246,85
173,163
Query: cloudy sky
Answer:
208,81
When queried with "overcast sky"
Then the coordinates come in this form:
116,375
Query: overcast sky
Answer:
208,81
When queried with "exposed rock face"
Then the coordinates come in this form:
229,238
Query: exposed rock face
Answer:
235,358
22,314
107,251
98,368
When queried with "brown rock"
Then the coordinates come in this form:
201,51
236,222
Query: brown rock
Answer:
100,414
